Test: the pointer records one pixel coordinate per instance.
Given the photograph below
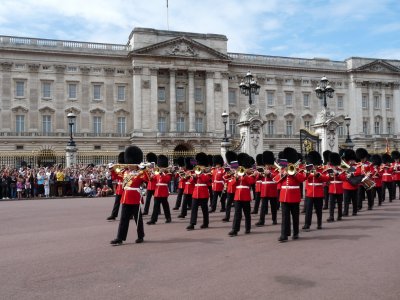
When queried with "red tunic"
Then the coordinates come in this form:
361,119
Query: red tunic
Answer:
346,184
162,181
387,175
131,194
396,171
290,188
376,175
200,190
243,186
217,175
315,183
230,183
336,182
151,185
118,177
269,188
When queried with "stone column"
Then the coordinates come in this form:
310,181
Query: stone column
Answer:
109,99
34,88
172,101
191,107
354,108
137,99
154,99
70,155
396,107
384,111
210,101
371,108
6,94
85,117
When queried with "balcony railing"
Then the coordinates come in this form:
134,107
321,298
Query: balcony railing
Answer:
64,134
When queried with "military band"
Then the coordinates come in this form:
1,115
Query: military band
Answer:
348,177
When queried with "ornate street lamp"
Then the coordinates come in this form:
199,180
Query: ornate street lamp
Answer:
324,90
71,121
224,117
349,143
249,86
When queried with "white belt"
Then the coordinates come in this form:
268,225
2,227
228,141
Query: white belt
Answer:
288,187
219,181
119,183
387,174
336,181
268,182
162,184
188,183
127,188
242,187
258,181
315,184
200,184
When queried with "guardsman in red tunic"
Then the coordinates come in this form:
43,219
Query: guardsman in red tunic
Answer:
376,175
200,193
117,177
151,185
387,176
350,185
188,188
181,184
163,178
365,165
326,154
290,195
242,199
336,177
230,182
269,189
314,189
396,172
217,174
131,197
257,193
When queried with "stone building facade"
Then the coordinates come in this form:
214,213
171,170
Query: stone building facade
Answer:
166,90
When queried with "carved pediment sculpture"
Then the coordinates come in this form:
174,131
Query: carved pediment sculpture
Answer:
379,66
182,48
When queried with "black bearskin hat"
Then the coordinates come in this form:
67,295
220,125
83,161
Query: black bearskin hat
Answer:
386,158
259,159
188,163
162,161
121,158
395,154
180,161
151,157
268,158
326,154
230,156
313,157
361,153
243,159
202,159
218,160
349,154
376,159
281,155
335,159
210,160
290,154
133,155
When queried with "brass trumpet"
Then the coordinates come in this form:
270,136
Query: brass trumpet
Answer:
120,167
199,170
241,171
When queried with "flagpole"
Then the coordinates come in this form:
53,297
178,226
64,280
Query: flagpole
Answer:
167,17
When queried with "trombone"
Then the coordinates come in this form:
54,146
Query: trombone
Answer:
199,170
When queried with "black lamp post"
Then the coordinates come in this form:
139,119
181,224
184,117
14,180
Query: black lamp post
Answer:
71,121
324,89
225,120
249,86
348,142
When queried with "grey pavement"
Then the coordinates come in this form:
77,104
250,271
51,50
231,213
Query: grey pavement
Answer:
59,249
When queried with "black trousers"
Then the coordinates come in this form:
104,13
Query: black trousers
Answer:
215,196
378,191
257,199
287,210
333,198
229,202
210,191
223,199
326,196
149,194
156,209
350,196
179,198
195,208
127,211
395,185
239,207
264,208
390,188
117,201
361,197
186,203
317,204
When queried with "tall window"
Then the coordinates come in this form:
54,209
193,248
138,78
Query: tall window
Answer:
198,124
46,89
96,125
180,94
20,89
180,124
97,92
307,125
365,127
306,100
389,127
340,130
162,124
377,127
19,123
270,98
232,126
364,101
232,97
121,93
121,125
161,94
340,101
288,99
72,91
289,127
198,94
270,127
377,102
388,102
46,124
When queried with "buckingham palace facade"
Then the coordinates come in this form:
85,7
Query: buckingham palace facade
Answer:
166,90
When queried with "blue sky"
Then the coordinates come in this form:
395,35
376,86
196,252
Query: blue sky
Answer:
297,28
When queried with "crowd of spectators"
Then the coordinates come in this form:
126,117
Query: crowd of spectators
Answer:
55,181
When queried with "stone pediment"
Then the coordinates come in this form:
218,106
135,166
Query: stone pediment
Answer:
182,47
379,66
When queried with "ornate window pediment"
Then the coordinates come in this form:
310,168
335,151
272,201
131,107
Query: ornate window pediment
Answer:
47,109
97,110
73,109
379,66
121,111
19,108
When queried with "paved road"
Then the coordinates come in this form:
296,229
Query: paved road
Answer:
59,249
